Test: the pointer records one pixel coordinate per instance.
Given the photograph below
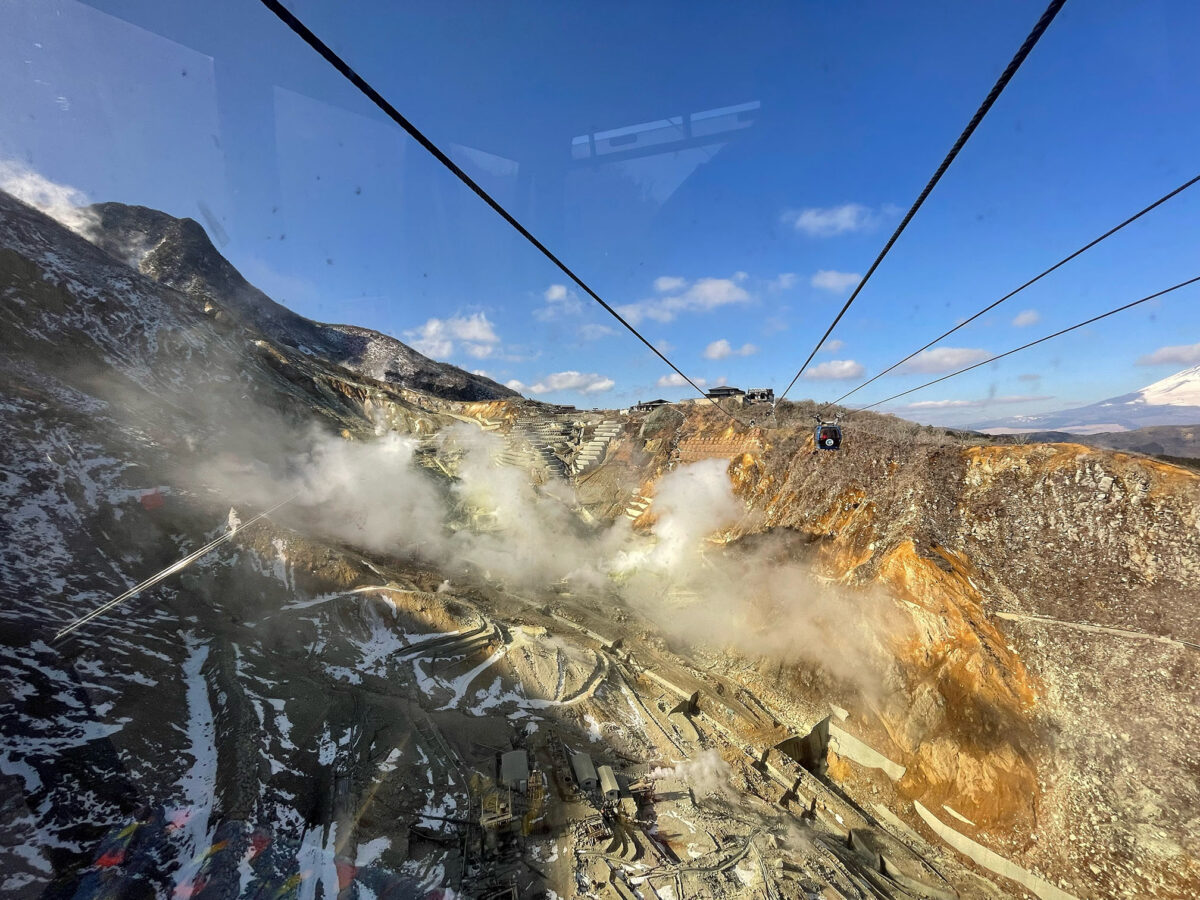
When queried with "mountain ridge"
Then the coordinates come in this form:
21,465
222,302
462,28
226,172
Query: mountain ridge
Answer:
262,696
178,252
1174,400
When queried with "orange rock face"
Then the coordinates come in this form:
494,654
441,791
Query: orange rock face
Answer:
948,535
964,728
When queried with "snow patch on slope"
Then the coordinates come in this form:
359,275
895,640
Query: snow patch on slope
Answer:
199,783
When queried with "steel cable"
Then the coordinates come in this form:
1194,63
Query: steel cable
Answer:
164,573
1038,30
302,31
1013,293
1040,340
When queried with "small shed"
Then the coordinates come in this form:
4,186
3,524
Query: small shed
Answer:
514,770
585,771
608,783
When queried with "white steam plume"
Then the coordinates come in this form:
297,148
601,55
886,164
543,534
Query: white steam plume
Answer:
706,774
493,523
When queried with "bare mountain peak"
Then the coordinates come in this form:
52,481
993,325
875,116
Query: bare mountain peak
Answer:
178,252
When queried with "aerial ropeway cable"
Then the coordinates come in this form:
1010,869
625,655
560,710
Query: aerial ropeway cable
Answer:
1015,291
1041,340
304,33
174,567
1006,76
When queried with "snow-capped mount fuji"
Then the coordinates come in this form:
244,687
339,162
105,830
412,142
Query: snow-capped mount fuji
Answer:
1180,389
1174,400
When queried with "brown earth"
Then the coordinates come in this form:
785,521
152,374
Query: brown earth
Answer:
954,533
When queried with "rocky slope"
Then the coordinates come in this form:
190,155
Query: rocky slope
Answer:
178,253
997,704
1006,625
123,751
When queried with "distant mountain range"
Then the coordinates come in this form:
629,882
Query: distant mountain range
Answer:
1179,444
1173,401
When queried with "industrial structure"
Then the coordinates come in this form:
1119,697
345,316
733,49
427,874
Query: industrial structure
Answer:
608,784
584,771
514,770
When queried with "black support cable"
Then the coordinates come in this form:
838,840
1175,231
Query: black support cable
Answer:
302,31
1038,30
1013,293
1041,340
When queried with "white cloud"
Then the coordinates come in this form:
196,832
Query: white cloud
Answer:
832,346
740,276
942,359
835,282
830,221
783,281
939,404
1017,398
709,293
1178,355
722,349
559,302
428,340
593,331
677,380
59,201
437,337
482,373
667,283
718,349
701,296
1026,318
515,385
835,369
986,401
590,383
473,328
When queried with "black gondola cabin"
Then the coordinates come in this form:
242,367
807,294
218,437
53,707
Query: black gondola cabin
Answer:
828,436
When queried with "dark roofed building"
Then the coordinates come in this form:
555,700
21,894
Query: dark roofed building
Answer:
650,404
724,392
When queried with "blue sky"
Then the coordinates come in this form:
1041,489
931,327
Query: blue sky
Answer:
721,173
